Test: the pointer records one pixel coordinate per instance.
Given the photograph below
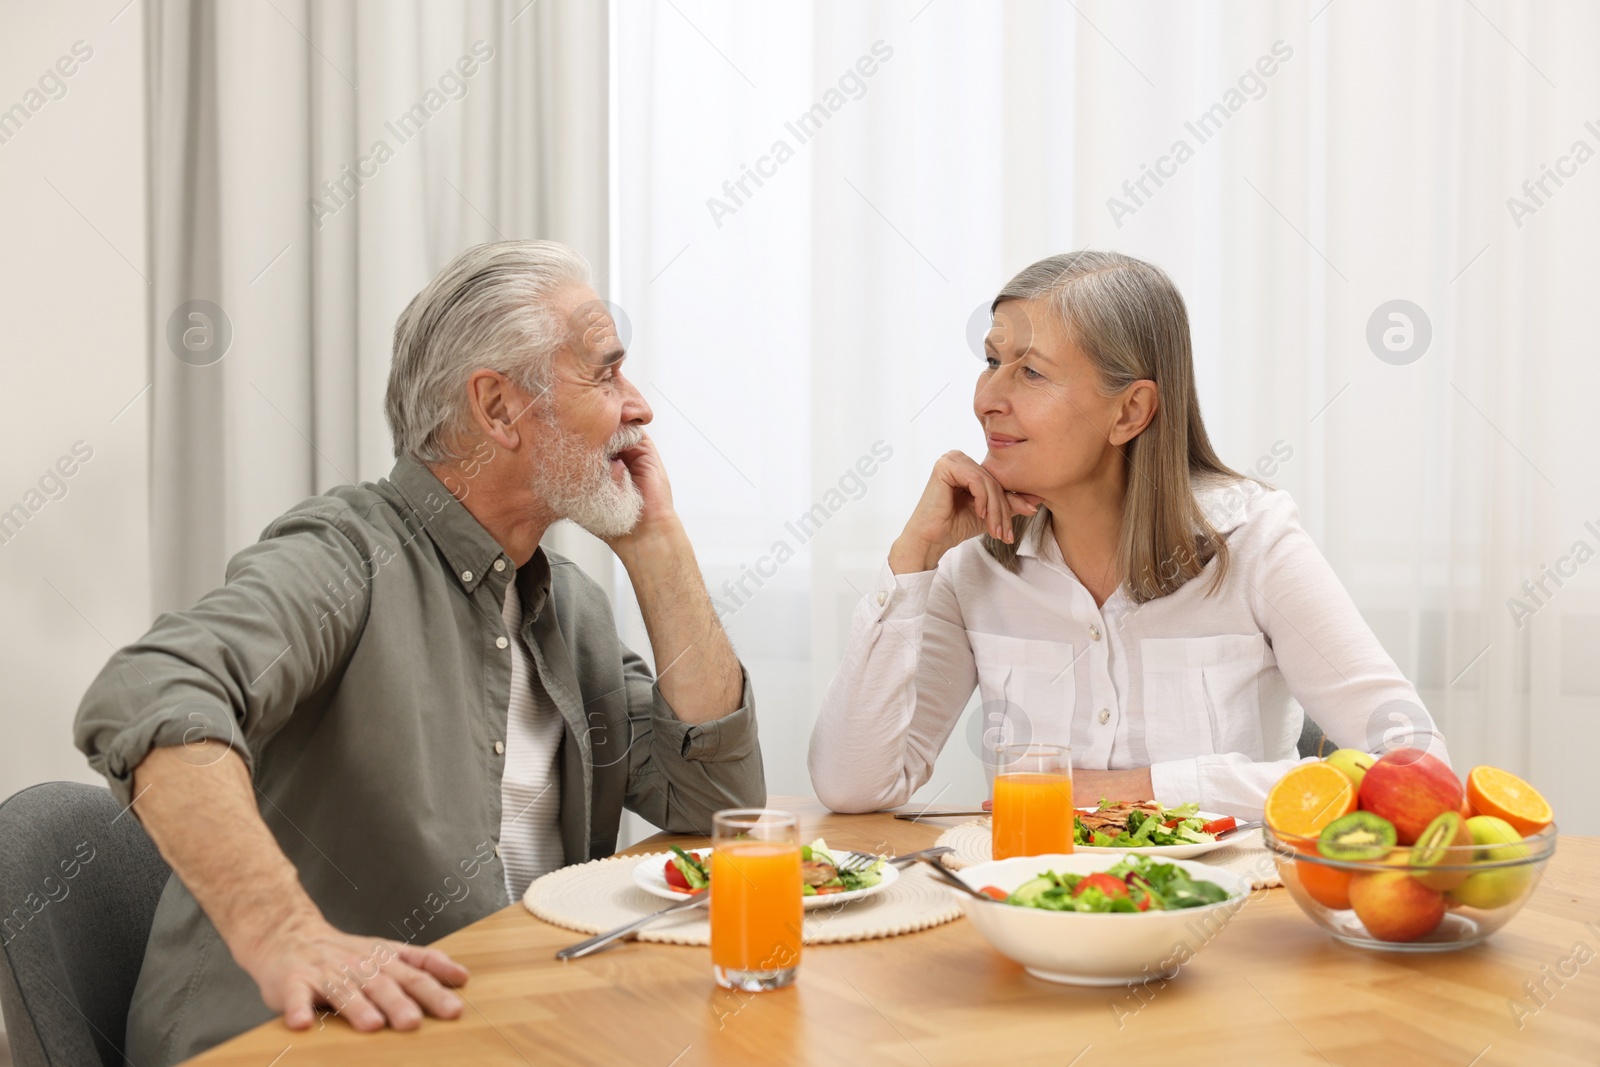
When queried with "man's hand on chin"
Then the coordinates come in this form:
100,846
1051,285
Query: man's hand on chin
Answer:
650,477
658,523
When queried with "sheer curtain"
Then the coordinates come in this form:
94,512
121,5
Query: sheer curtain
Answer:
811,202
311,167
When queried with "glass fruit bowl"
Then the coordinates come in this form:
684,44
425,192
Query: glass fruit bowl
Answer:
1414,898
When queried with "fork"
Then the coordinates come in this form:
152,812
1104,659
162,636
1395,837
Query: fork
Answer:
858,861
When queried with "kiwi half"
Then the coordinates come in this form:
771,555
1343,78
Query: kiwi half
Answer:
1360,835
1433,849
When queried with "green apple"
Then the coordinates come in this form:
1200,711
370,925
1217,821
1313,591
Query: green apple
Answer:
1353,762
1496,840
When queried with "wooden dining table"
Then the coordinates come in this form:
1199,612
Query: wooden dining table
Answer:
1271,988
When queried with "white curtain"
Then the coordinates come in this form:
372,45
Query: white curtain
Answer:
801,291
312,165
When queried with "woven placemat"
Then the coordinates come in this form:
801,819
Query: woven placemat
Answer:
601,895
1249,858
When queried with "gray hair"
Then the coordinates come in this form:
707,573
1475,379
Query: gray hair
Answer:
1129,320
489,308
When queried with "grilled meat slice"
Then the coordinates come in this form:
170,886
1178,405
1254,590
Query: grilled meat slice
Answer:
1113,819
816,873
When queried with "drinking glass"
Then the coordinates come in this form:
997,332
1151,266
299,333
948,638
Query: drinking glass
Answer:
756,905
1033,809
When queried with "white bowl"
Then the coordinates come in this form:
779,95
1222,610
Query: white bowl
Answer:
1095,949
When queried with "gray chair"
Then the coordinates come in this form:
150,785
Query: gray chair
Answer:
73,928
1313,742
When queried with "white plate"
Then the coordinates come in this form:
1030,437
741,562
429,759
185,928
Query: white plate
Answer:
650,875
1171,852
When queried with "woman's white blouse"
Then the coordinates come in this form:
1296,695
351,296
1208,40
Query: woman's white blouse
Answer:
1206,691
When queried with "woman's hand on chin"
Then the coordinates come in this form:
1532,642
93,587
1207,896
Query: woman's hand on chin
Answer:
961,501
1089,786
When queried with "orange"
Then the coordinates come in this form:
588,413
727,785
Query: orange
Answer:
1492,791
1328,886
1308,798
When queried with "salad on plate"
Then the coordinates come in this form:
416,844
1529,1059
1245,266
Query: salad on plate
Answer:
1146,824
820,873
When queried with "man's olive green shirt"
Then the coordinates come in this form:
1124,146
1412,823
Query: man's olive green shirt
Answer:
357,661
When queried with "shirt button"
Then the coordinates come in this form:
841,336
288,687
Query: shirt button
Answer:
499,564
499,748
501,642
1094,631
466,576
497,852
1105,716
882,599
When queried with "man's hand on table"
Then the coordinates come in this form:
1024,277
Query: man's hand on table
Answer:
198,805
371,982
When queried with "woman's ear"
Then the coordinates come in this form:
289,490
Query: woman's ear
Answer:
1139,403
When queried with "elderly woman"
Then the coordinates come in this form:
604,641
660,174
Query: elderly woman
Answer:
1103,579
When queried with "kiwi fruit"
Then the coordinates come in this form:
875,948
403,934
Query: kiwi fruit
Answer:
1358,836
1433,849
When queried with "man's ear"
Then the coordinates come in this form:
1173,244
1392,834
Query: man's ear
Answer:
499,407
1139,404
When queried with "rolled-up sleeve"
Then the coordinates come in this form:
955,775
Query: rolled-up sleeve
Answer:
690,770
232,668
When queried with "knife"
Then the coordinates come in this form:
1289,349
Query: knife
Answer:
939,813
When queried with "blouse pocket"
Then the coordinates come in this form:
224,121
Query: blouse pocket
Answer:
1028,687
1200,695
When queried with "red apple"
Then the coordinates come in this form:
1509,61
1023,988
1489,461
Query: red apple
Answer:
1394,906
1410,788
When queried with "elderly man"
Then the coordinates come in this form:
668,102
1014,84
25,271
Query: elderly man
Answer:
399,709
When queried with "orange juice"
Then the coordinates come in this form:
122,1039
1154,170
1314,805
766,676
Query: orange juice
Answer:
755,905
1032,814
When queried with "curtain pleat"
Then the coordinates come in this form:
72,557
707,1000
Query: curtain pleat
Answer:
312,165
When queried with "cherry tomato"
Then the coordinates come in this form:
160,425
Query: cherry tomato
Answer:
676,880
1111,887
825,890
994,891
1216,826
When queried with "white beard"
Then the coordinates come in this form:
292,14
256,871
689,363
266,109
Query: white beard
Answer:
575,482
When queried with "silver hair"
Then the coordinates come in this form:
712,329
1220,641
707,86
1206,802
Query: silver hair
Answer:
1129,320
491,307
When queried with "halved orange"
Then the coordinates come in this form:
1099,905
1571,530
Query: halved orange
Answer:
1492,791
1308,798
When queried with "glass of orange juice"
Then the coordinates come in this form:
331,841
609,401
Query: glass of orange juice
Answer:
1033,809
756,898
